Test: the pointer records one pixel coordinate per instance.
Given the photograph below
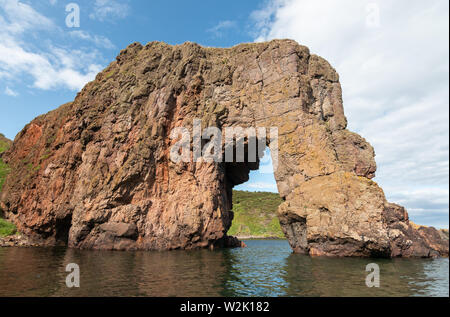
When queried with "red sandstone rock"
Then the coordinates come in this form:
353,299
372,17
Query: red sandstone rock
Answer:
96,173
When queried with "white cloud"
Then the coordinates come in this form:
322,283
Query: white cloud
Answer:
10,92
21,17
48,68
394,79
261,185
108,10
47,73
99,41
218,29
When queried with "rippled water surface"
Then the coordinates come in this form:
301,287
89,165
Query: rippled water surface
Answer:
264,268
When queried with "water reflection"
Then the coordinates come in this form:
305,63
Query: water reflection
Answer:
256,270
41,272
265,268
346,277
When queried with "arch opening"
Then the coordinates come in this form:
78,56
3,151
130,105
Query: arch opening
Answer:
254,198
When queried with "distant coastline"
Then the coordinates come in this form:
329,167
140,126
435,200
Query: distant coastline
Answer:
255,216
260,238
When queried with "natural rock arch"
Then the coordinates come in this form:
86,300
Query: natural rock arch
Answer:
96,173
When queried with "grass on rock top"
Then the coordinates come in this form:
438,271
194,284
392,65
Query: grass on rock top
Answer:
255,215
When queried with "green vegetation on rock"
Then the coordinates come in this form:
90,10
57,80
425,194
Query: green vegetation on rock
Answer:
6,228
255,215
4,170
4,144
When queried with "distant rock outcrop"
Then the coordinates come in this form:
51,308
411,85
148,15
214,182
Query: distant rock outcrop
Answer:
96,172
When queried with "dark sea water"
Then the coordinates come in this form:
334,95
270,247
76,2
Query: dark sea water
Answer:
264,268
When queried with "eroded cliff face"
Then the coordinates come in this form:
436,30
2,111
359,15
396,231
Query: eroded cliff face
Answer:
96,172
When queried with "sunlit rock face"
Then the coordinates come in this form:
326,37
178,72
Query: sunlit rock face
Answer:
97,173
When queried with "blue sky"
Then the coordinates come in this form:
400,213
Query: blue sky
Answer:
392,57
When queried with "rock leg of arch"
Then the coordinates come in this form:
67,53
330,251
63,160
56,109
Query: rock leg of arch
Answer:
96,173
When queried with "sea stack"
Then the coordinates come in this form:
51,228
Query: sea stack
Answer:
96,173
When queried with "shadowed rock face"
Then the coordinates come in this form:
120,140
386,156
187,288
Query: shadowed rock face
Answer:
96,173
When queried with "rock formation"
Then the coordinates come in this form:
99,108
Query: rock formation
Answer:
96,173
